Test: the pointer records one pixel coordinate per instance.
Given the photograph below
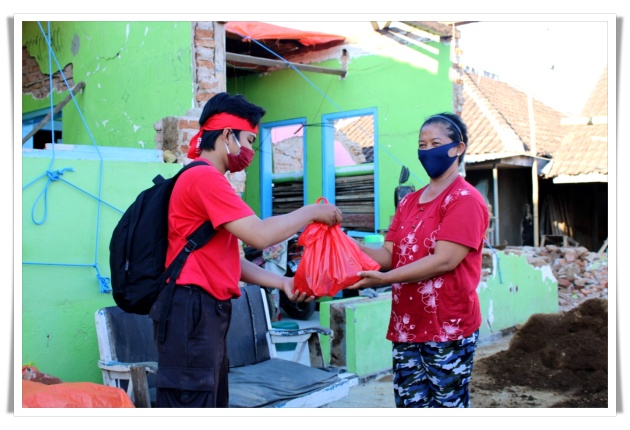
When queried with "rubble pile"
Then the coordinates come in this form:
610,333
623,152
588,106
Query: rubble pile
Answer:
581,274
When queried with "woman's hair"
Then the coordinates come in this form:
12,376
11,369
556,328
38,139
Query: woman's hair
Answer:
456,130
233,104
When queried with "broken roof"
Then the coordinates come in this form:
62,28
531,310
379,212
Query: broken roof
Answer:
262,40
270,32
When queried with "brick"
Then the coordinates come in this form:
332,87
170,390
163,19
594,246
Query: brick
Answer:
205,63
202,33
185,123
205,43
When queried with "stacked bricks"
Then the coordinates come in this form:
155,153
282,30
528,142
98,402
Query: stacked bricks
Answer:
173,134
209,73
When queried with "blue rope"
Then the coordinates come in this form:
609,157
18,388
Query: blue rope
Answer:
35,263
52,177
498,261
94,197
104,282
52,104
55,175
100,182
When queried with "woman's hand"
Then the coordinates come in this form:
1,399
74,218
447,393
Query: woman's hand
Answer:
369,278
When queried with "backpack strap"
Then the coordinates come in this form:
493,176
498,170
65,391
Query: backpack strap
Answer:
196,240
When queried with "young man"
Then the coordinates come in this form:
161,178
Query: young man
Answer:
192,359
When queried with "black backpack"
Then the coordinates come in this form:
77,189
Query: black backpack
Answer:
138,250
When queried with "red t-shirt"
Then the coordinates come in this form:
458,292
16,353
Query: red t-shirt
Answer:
445,307
203,193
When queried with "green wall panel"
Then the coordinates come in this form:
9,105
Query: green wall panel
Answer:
403,91
368,351
135,74
59,291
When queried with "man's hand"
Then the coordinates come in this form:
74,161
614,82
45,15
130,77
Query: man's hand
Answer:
326,213
294,296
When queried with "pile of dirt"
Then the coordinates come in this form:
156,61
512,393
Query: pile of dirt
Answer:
564,354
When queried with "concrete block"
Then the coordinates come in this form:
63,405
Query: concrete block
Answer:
359,326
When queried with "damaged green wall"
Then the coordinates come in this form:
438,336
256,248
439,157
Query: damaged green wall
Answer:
135,74
513,291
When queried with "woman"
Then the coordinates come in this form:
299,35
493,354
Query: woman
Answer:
432,259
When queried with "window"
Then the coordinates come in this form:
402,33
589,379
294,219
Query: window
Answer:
350,167
283,161
41,133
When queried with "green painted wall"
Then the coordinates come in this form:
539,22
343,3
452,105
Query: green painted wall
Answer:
405,85
135,74
59,296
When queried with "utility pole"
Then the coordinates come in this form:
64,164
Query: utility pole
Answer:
532,145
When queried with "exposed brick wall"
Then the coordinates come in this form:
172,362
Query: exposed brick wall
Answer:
208,53
173,134
456,71
288,155
37,83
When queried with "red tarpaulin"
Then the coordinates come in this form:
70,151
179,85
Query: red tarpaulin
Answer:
262,31
41,390
73,395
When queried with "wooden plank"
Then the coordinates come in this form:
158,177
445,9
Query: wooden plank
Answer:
55,111
140,387
248,59
355,198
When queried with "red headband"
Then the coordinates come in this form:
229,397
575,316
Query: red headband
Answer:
218,122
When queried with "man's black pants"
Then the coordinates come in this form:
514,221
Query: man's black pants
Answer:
192,360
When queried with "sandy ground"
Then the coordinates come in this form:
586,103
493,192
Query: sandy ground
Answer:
377,392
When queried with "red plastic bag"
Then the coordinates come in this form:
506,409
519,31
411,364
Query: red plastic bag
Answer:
330,260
